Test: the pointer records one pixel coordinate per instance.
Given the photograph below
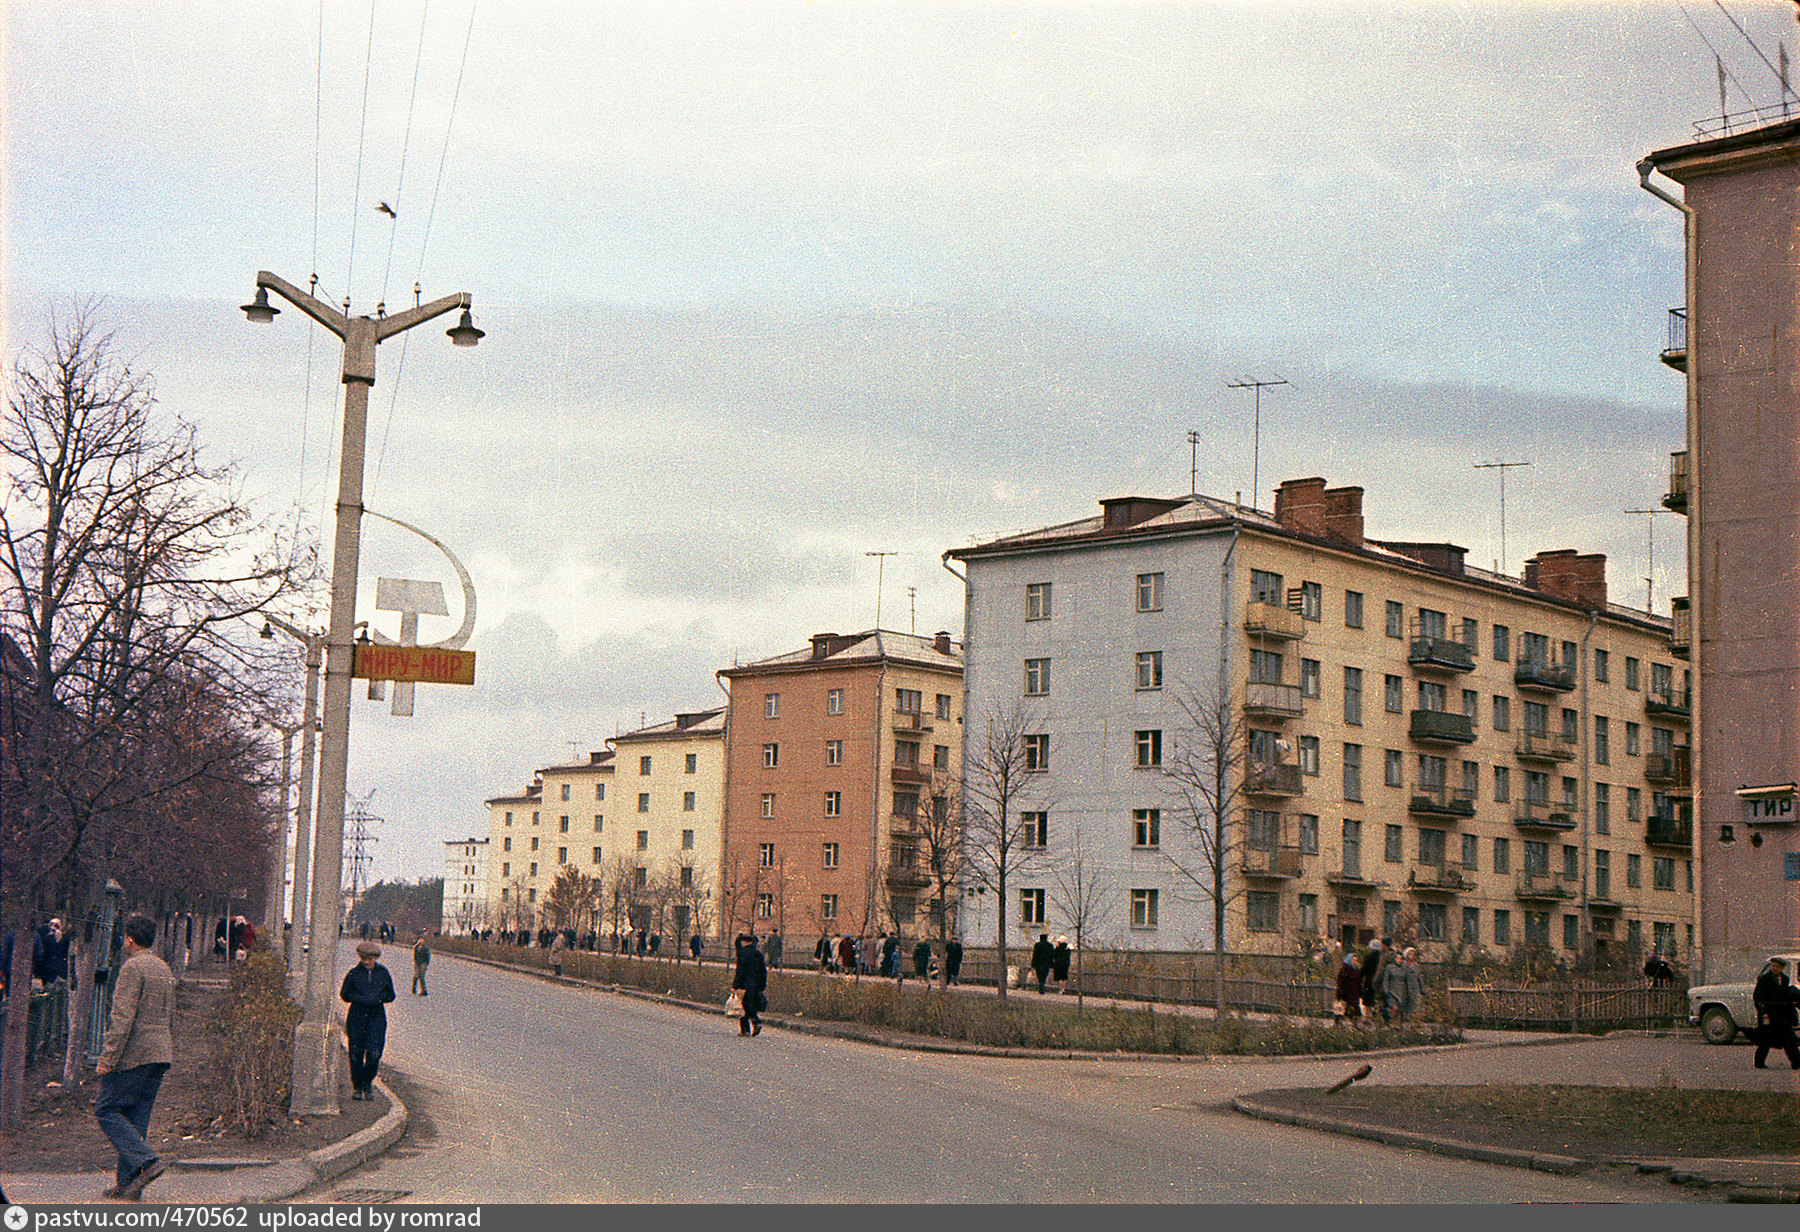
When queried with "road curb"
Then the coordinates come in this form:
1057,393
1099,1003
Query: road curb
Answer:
1536,1161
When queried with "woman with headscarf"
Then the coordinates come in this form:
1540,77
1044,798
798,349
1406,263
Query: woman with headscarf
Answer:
1349,988
1403,985
750,978
1059,964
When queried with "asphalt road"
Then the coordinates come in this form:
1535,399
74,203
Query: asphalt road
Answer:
526,1091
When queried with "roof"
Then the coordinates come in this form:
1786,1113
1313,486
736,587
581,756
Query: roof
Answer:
598,760
531,795
698,725
856,649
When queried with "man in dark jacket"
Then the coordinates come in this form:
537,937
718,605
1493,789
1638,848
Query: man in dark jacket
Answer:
51,962
1041,956
922,959
368,988
1775,1014
952,960
750,978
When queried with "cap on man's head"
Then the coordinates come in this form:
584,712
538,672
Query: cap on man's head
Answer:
1778,961
368,949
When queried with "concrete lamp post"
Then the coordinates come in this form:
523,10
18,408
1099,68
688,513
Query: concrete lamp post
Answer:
315,1040
297,950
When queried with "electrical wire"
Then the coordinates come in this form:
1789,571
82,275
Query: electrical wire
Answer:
362,133
405,144
1717,58
1753,47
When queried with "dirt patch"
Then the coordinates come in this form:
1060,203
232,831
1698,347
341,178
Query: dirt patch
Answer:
58,1132
1586,1122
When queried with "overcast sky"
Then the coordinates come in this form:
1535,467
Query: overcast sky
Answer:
772,286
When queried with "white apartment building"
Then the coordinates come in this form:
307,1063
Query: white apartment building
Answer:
465,886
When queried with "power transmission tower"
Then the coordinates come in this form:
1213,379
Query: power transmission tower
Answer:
1258,385
1502,467
357,841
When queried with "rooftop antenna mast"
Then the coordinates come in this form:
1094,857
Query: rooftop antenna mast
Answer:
880,566
1502,467
1650,568
1257,384
1193,440
912,609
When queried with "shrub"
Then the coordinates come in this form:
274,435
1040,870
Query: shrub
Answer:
254,1049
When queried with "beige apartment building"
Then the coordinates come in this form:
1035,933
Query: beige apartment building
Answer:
837,758
660,864
560,819
1417,747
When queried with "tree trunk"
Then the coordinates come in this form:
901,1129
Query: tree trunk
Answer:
82,962
12,1047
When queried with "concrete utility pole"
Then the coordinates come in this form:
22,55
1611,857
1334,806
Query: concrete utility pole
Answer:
316,1048
1257,384
298,953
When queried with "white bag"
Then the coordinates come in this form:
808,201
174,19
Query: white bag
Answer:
734,1004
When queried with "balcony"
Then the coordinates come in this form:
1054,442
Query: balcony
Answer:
910,774
1675,499
1540,746
1669,704
1674,768
1352,878
1543,675
905,872
1674,352
1681,626
1267,620
1436,879
1263,778
1662,830
1442,727
1439,654
1544,887
1539,815
1274,700
911,721
1438,800
1281,862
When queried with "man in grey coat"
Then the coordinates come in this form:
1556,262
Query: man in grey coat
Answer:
139,1048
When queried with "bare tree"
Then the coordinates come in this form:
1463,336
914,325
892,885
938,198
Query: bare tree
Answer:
1206,772
571,899
1003,774
1084,892
940,845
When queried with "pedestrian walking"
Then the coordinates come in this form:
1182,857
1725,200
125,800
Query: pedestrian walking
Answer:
1041,955
1059,964
1370,970
922,958
1403,985
1661,974
952,960
556,952
751,978
772,950
1349,989
822,953
139,1048
421,960
367,988
694,946
846,954
1775,1014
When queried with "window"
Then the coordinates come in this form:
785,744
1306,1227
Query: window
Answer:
771,705
1353,772
1471,705
1037,677
1431,624
1396,695
1265,667
908,701
1537,787
1037,601
1472,779
687,801
599,823
1149,669
1502,784
643,840
1143,909
1571,794
1031,906
1394,772
509,818
1571,726
599,791
1634,870
1471,852
691,763
1037,753
562,855
1390,916
834,803
1662,872
1149,748
906,754
1432,848
687,840
1431,696
765,904
1391,851
1308,916
533,868
765,855
1352,848
1537,857
1262,911
834,752
1662,680
830,855
507,846
1502,926
834,701
1431,922
1537,928
1309,678
1601,665
1571,933
771,756
1309,834
1665,937
1149,592
906,804
687,875
1265,587
644,764
597,858
534,817
1602,741
1632,739
1602,873
943,705
1312,601
1471,925
940,757
1502,644
1262,829
1502,713
1309,755
1353,603
643,802
562,824
1353,695
1396,618
768,804
1634,804
534,842
828,906
1034,829
1471,634
1146,827
1603,808
1631,672
1537,719
565,791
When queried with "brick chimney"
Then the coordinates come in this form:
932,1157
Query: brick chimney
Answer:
1300,505
941,643
1570,576
1343,514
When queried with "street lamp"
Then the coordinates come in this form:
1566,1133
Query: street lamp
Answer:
315,1043
297,951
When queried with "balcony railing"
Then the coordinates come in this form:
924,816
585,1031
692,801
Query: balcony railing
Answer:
1442,727
912,720
1540,746
1540,815
1675,499
1274,699
901,871
1437,878
1439,653
1263,778
1543,674
1674,352
1268,620
1666,831
1271,861
1442,801
1669,704
1674,767
911,774
1544,886
1349,877
1681,626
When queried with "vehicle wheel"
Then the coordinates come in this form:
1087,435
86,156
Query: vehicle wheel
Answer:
1716,1026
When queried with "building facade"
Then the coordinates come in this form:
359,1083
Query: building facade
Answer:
465,887
661,865
1734,338
558,821
841,760
1375,736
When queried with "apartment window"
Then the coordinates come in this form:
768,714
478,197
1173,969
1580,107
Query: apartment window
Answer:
1662,873
765,905
691,763
1262,911
1265,667
1571,933
1431,696
1471,926
643,840
1037,677
509,818
1602,873
834,752
1502,644
534,842
1471,705
1034,829
768,804
533,872
1634,870
1396,618
534,817
644,764
1537,857
906,754
1037,752
1502,926
1689,866
1471,852
1309,678
1502,713
1149,748
1353,605
771,756
1146,827
1431,921
834,701
1031,906
1390,915
1037,601
565,791
940,757
906,804
1603,808
1352,848
1631,672
1149,592
1265,587
1537,928
1470,634
687,801
1395,702
830,855
599,791
597,859
771,705
765,855
828,906
834,803
1602,663
1571,726
1149,669
1602,740
1503,856
1472,779
1431,624
507,845
687,875
1391,850
1312,601
1353,695
643,802
1665,938
1537,719
1262,829
1307,920
1571,794
562,855
1432,847
599,823
1143,909
687,840
1394,768
562,824
908,701
1632,733
1571,656
943,705
1353,772
1309,834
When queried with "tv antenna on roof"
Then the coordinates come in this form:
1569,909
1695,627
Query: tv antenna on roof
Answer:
1650,567
1257,384
880,566
1502,467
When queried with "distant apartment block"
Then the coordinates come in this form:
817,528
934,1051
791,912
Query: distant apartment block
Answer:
465,886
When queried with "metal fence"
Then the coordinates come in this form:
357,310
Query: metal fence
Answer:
46,1021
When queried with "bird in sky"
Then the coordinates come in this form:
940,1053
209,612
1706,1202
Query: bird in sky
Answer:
387,209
